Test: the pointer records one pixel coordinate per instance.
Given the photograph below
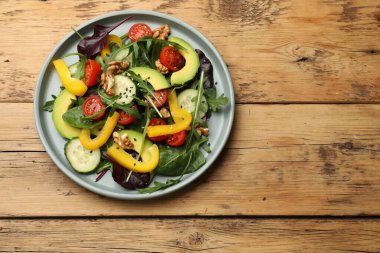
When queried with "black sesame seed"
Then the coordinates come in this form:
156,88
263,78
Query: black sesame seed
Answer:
208,144
134,139
91,152
134,164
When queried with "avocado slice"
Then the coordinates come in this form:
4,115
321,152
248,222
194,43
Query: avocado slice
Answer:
61,104
191,66
155,78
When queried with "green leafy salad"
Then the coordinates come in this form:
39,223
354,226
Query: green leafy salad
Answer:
135,104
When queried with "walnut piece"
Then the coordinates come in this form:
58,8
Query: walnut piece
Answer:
165,113
123,141
202,131
161,68
114,68
161,32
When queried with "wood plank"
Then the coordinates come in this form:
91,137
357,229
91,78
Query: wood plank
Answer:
288,51
183,235
280,160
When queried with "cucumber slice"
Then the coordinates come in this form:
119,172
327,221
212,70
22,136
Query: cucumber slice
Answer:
122,55
125,88
186,101
81,159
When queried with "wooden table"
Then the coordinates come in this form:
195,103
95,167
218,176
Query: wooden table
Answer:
300,173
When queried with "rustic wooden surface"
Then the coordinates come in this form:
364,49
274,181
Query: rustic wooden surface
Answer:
305,143
186,235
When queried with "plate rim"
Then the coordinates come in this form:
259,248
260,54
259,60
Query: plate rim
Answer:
193,176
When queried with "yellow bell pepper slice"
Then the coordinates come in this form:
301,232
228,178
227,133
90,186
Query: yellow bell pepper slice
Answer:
73,85
181,118
110,39
150,157
103,136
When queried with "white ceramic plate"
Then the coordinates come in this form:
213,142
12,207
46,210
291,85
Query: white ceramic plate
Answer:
48,83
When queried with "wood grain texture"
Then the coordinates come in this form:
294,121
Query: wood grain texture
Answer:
277,51
280,160
184,235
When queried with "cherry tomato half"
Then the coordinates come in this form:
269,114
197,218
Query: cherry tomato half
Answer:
172,58
157,122
92,105
92,72
162,97
139,30
177,139
126,118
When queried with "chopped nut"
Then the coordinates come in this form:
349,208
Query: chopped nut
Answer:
114,68
161,68
161,32
165,113
122,140
202,131
119,66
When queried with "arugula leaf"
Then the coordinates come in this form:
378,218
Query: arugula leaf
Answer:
142,85
214,104
145,88
48,106
135,50
111,101
213,101
74,117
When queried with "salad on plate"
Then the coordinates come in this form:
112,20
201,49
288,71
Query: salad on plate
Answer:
135,104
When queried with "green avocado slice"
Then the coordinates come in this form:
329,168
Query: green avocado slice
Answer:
62,103
155,78
191,67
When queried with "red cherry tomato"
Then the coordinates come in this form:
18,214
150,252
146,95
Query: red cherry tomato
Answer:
92,105
139,30
92,72
172,58
157,122
126,118
177,139
162,97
